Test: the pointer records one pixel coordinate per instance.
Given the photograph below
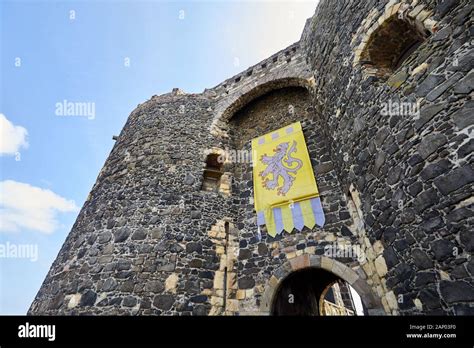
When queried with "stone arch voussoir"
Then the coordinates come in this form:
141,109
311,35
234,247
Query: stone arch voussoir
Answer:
371,301
419,16
228,106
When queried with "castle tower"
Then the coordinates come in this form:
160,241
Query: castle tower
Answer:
383,90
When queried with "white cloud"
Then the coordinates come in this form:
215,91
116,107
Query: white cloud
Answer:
23,206
12,137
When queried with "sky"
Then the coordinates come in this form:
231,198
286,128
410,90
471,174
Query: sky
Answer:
107,57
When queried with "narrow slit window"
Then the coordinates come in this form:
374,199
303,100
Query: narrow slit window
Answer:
212,173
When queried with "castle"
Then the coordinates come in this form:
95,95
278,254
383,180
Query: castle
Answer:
169,229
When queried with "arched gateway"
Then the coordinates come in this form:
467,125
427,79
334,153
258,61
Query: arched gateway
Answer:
300,285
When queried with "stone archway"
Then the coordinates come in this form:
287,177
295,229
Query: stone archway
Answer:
302,292
386,40
338,269
227,107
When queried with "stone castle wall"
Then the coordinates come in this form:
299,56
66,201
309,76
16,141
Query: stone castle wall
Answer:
149,241
413,173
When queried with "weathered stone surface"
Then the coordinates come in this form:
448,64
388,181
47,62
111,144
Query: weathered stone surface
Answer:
429,84
129,301
104,237
432,224
56,302
415,188
171,283
424,278
262,249
245,254
430,144
200,310
163,302
123,265
467,237
381,266
427,113
198,299
443,87
193,247
466,85
444,7
397,79
466,149
246,283
109,285
425,200
189,180
390,257
455,179
154,286
88,298
463,117
456,291
435,169
430,298
121,235
139,234
421,259
156,233
443,34
443,249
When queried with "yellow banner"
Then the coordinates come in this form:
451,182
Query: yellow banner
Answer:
285,190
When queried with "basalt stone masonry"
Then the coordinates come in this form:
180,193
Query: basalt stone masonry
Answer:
383,90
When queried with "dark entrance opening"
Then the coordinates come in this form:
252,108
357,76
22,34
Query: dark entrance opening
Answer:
312,292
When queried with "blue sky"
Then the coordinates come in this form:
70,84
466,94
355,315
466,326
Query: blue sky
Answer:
78,51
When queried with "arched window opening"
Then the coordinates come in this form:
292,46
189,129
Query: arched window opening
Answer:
212,173
390,45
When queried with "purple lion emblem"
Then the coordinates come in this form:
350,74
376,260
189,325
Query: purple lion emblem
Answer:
276,167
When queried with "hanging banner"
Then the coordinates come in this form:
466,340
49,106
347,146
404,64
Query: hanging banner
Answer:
285,192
